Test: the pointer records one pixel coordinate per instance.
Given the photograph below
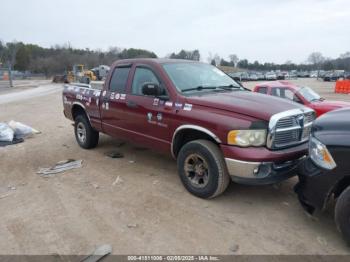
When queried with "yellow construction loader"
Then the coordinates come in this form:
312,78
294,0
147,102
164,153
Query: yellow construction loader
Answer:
79,74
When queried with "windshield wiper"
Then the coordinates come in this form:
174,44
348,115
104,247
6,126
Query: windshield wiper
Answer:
228,87
315,99
199,88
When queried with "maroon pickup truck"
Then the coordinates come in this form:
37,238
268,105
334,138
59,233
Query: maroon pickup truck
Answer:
215,128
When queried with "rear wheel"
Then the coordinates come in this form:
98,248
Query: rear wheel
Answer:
86,136
202,169
342,214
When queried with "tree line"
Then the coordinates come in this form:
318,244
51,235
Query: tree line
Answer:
60,58
315,61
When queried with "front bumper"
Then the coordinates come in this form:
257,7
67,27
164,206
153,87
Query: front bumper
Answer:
315,185
261,166
261,173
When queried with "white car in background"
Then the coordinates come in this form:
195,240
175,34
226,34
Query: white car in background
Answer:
271,76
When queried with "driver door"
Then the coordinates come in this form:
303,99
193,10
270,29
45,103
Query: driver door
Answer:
149,117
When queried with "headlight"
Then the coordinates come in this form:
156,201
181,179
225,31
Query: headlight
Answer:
247,138
320,154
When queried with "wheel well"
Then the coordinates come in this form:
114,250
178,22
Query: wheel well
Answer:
341,186
78,110
186,135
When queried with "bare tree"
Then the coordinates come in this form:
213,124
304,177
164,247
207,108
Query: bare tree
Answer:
9,55
316,58
345,55
217,59
210,58
234,59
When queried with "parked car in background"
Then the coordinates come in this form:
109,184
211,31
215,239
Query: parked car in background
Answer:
260,76
253,77
270,76
280,76
293,75
244,76
334,75
313,74
300,94
328,77
325,174
235,76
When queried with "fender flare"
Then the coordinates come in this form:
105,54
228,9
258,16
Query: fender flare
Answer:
82,106
193,127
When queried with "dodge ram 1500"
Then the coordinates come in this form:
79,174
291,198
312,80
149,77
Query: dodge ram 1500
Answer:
214,128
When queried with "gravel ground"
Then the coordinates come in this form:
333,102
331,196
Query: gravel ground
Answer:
137,203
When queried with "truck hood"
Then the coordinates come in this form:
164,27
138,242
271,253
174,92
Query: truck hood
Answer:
331,104
333,128
337,120
244,102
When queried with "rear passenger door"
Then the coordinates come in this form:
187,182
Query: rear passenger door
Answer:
113,102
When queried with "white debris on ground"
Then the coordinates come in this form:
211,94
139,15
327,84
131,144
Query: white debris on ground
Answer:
61,166
99,253
117,181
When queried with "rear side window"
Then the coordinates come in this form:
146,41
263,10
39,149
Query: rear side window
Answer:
262,90
283,93
119,79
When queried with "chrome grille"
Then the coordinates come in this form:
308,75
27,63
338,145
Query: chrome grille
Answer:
286,122
290,128
309,117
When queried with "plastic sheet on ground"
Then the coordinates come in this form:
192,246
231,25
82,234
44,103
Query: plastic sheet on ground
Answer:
21,130
6,133
14,133
60,167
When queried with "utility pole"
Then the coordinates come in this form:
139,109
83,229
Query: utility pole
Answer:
9,66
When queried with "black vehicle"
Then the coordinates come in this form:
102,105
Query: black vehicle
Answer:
235,76
330,77
326,172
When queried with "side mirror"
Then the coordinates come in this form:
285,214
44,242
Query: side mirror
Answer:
152,89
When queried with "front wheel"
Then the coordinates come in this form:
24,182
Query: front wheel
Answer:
86,136
202,169
342,214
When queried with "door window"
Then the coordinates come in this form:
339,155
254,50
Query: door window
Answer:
142,75
285,93
119,79
262,90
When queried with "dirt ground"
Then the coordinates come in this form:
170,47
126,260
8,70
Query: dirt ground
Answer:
20,85
148,211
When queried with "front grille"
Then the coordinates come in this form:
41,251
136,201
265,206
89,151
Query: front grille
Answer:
309,117
289,128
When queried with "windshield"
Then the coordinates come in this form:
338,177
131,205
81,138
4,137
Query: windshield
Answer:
309,94
195,77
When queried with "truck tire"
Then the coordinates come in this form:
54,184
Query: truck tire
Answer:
202,169
86,136
342,214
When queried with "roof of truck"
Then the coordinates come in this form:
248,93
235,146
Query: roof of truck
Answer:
156,60
278,84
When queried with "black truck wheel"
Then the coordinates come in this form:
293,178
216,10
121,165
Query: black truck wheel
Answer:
85,135
342,214
202,169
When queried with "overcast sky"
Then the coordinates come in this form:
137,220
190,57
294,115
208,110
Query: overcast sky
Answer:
268,31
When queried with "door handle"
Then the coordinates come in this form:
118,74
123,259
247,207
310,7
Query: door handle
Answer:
131,104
